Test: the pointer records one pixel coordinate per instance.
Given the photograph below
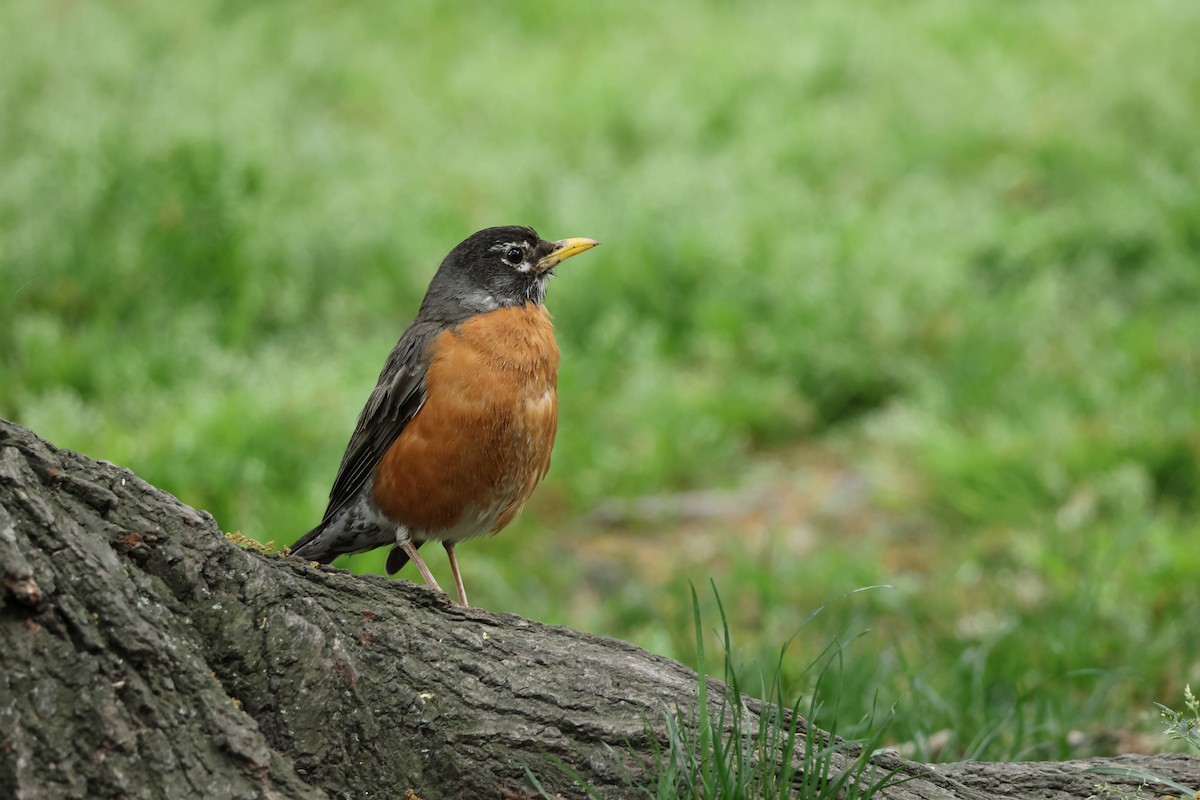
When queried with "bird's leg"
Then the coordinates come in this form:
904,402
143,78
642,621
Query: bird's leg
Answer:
414,557
458,584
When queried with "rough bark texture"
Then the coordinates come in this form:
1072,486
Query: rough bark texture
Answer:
142,654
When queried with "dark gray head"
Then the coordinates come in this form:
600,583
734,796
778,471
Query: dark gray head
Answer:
496,267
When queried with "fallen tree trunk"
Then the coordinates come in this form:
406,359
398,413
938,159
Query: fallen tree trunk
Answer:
142,654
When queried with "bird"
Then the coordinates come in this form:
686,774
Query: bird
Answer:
460,426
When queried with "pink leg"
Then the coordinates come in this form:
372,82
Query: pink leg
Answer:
458,584
411,552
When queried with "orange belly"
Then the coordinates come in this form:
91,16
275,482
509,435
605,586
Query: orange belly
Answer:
472,455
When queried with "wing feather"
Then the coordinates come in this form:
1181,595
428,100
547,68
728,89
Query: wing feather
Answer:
398,396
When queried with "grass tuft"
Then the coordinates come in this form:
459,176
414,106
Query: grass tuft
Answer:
1182,726
726,756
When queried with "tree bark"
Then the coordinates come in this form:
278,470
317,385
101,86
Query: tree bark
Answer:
142,654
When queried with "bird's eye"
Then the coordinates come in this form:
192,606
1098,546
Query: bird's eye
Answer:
514,255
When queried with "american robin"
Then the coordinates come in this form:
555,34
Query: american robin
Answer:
459,428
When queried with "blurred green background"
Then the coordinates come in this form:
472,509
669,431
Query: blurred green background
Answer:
890,293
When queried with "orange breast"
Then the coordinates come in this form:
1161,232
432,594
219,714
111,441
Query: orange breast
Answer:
473,453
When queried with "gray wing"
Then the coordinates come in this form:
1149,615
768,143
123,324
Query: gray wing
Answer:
397,397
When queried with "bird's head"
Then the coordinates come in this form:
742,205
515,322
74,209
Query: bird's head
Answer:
497,267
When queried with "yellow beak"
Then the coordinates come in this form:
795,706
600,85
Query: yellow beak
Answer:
564,249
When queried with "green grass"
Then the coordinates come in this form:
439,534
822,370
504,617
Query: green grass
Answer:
1181,726
726,756
940,259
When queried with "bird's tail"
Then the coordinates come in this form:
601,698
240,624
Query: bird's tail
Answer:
397,558
311,547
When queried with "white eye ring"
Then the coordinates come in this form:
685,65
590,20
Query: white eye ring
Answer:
514,256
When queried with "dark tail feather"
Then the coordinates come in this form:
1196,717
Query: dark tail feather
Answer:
397,558
309,547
